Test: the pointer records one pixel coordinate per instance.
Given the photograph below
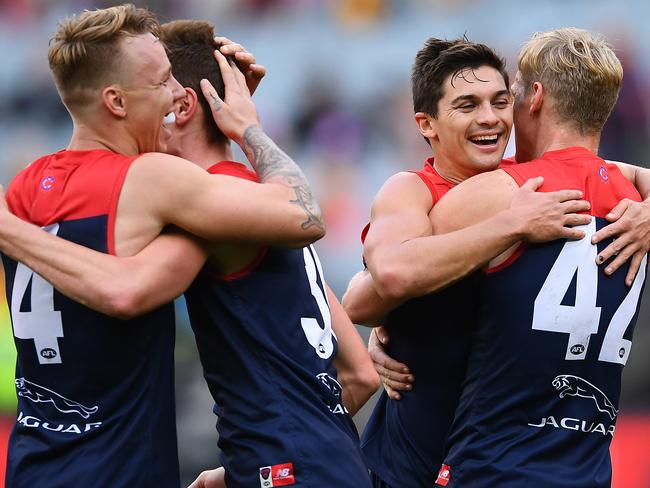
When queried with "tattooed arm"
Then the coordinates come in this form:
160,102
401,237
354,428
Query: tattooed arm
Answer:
237,118
273,165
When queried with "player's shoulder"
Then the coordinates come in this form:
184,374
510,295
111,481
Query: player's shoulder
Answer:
485,182
403,183
157,168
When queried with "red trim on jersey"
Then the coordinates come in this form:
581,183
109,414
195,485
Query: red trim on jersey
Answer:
238,170
507,162
70,185
248,269
509,260
232,168
601,183
436,184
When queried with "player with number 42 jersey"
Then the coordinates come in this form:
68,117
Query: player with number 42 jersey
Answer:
554,332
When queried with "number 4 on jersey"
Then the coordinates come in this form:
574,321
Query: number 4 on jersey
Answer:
582,319
42,323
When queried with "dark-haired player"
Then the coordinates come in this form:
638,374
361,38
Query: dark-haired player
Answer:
96,394
268,329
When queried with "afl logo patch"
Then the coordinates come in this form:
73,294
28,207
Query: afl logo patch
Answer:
47,183
48,353
577,349
602,172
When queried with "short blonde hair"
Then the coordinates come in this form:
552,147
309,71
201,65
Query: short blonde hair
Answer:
85,55
579,70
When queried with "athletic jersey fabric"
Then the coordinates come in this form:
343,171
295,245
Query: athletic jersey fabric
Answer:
541,396
267,349
95,394
404,440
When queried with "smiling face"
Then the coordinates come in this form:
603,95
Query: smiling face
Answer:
150,91
471,131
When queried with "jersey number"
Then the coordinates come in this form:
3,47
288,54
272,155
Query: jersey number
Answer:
319,338
581,320
42,323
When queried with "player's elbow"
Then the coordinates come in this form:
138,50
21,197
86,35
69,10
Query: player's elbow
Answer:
125,303
311,234
358,311
394,282
309,226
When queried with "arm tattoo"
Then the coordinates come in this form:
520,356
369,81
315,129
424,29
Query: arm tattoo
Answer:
270,162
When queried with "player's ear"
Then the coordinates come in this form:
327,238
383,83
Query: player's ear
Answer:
426,124
537,100
114,100
187,107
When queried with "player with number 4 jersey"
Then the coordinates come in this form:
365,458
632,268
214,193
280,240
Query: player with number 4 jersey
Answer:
60,404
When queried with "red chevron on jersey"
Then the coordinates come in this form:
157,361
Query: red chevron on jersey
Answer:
577,167
70,185
232,168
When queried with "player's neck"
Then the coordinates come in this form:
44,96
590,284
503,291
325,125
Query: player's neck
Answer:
205,154
85,139
562,136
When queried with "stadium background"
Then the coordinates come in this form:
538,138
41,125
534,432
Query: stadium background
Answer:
337,98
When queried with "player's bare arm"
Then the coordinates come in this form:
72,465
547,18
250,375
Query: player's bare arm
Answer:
237,118
495,197
272,164
353,365
630,225
161,189
408,265
120,287
363,304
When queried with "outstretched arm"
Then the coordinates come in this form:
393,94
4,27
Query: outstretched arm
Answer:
406,261
120,287
355,370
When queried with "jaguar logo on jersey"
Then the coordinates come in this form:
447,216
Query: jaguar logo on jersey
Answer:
568,385
571,385
333,402
31,422
277,475
40,394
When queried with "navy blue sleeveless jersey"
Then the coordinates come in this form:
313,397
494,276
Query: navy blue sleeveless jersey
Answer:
95,394
267,346
540,401
404,440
